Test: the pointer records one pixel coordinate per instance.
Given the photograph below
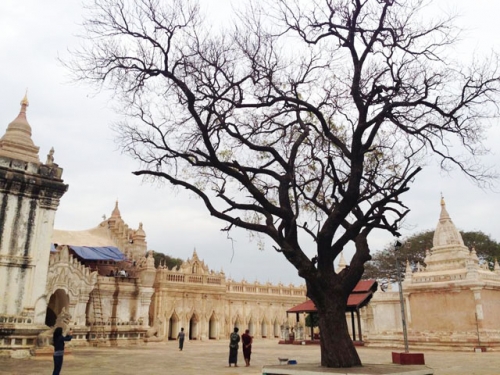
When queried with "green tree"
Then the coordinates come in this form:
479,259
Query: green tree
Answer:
487,248
167,260
312,320
383,264
304,121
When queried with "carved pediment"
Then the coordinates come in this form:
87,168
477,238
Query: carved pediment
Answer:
67,273
195,266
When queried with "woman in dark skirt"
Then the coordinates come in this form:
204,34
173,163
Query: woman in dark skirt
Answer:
58,341
234,339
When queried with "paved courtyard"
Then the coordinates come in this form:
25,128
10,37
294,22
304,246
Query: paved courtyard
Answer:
204,358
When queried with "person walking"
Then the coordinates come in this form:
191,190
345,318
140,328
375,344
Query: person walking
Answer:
181,337
58,341
234,339
246,341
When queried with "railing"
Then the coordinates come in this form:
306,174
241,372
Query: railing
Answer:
230,285
14,319
175,277
214,280
485,275
297,291
195,279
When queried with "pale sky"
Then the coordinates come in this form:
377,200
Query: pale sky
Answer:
76,123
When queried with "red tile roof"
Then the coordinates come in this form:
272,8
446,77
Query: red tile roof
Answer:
360,296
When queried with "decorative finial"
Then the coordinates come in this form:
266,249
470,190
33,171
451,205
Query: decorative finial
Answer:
408,266
50,157
25,102
442,200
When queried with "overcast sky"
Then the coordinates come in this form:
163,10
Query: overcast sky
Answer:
76,123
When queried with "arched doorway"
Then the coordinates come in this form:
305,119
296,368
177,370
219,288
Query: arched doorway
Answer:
237,324
276,328
193,327
212,327
57,302
251,327
173,326
263,329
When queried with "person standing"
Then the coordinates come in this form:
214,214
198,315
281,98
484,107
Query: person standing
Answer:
234,339
181,337
246,341
58,341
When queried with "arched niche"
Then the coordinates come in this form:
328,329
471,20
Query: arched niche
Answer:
173,326
193,327
213,326
57,301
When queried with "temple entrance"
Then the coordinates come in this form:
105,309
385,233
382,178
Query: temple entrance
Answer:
212,327
193,327
251,328
276,328
173,327
237,323
263,329
57,301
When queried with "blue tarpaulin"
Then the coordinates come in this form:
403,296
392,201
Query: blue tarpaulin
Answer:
98,253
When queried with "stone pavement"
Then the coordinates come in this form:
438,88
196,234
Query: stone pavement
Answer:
210,357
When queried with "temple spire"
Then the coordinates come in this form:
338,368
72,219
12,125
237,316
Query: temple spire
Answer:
444,214
342,263
16,143
116,211
446,233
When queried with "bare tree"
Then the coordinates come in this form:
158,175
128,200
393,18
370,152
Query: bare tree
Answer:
304,118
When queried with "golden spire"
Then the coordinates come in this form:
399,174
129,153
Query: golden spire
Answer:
16,143
25,103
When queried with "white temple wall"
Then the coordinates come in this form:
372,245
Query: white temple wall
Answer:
43,233
120,300
16,268
443,310
384,312
25,249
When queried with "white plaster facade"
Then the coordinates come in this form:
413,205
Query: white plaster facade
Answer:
29,196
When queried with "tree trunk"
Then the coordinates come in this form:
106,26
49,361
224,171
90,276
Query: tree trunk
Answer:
337,347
